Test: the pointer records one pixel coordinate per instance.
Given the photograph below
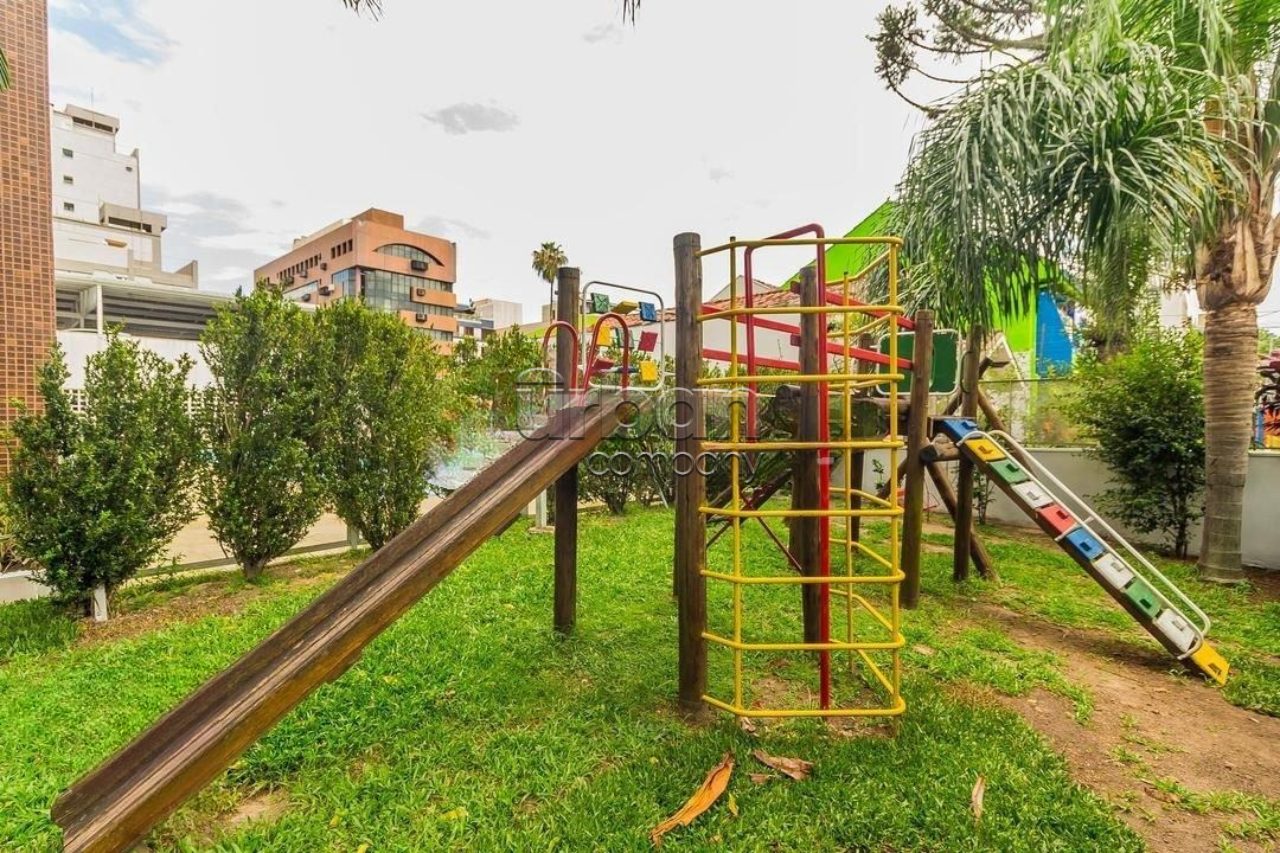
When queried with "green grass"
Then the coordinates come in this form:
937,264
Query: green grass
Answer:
1043,581
33,627
468,724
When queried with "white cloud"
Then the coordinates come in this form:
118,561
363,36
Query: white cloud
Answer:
459,119
267,120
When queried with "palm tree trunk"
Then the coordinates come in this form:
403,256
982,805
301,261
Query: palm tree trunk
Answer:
1230,356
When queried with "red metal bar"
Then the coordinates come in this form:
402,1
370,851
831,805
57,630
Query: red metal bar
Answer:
837,299
573,333
595,346
761,361
874,356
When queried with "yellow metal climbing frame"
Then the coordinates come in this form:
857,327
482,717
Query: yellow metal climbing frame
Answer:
868,585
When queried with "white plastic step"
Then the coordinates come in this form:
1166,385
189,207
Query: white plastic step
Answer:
1033,494
1114,570
1177,629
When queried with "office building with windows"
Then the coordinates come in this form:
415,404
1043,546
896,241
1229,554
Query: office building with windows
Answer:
373,256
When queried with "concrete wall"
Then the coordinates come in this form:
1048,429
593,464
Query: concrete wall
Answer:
78,345
1086,476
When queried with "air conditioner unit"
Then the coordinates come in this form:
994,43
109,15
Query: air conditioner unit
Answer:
420,266
325,290
422,291
421,317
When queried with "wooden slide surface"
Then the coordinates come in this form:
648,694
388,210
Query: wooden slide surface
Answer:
114,806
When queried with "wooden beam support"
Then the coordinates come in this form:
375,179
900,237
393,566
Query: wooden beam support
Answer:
942,485
691,487
964,480
917,439
806,538
565,607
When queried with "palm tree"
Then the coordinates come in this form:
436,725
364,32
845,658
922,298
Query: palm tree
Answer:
548,258
1144,143
5,80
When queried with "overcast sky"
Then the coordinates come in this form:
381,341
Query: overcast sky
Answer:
497,125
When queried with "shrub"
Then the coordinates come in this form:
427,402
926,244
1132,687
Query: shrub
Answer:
263,488
93,498
1145,409
387,416
490,378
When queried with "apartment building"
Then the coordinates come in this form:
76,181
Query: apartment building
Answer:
372,255
99,224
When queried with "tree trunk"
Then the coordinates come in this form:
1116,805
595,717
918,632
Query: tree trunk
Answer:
1230,369
253,570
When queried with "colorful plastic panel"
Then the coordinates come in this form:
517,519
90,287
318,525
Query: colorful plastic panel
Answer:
1144,597
1083,545
956,428
1175,627
1114,571
1032,495
984,449
1008,471
1055,520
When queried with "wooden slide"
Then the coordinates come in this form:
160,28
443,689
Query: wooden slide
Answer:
113,807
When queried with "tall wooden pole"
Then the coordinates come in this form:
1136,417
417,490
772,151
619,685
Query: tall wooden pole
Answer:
566,536
964,479
691,486
917,438
806,541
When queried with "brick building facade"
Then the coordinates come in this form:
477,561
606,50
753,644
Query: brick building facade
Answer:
26,226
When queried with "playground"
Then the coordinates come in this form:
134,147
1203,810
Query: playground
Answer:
848,666
469,724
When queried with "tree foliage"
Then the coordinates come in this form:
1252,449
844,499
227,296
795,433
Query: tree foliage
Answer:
262,489
489,378
1145,409
387,416
5,79
94,497
547,259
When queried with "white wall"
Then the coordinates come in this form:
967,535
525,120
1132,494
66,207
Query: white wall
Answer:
87,243
100,173
79,345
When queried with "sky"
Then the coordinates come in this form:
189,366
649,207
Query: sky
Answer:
495,125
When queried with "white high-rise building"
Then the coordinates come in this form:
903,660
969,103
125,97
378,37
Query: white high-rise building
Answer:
99,225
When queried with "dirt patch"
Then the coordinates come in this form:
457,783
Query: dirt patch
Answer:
1149,724
263,806
217,596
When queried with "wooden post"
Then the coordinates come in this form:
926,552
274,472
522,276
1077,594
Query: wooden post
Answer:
806,541
691,486
977,551
964,479
566,536
917,438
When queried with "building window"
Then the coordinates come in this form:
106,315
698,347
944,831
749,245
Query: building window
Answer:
403,250
393,291
67,152
68,207
68,180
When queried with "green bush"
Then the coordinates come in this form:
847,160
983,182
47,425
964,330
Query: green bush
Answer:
387,416
1145,409
94,497
489,378
262,489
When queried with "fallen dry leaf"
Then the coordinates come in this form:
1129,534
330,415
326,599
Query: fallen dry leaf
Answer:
975,798
703,798
747,725
796,768
922,649
761,778
732,803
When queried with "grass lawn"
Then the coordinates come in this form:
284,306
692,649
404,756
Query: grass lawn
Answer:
470,725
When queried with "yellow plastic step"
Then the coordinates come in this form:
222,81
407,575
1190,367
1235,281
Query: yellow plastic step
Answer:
984,449
1208,660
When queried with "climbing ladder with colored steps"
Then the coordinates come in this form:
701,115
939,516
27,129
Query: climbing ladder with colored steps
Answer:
1139,587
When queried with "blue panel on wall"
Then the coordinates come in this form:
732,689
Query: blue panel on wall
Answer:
1053,346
